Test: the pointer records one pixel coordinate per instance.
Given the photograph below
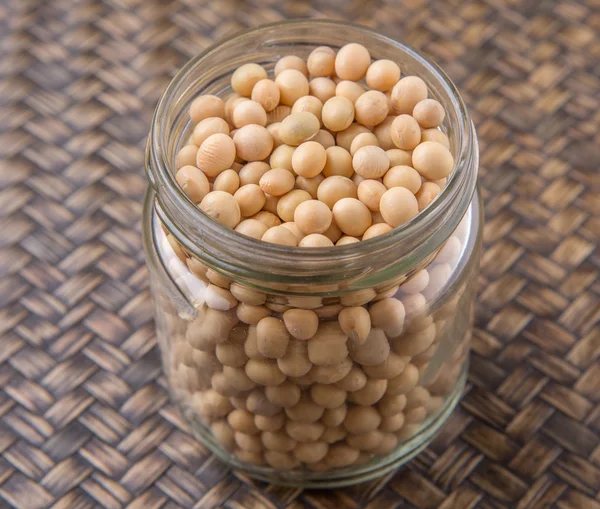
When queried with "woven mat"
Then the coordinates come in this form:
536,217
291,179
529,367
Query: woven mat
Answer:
85,420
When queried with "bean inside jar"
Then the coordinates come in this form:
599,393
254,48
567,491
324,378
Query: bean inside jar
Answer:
301,381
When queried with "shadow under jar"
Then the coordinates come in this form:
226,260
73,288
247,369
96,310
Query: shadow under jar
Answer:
296,419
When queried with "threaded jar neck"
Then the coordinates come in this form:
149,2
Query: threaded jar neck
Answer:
245,259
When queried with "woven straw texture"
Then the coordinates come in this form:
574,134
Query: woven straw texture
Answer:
85,420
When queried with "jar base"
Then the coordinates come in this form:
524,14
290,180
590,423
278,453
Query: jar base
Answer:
339,477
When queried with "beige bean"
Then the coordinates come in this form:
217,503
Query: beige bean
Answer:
414,305
270,423
247,295
375,230
356,323
206,106
403,176
354,381
278,441
329,311
415,416
272,337
292,85
361,419
328,346
218,279
392,423
358,298
349,89
388,314
405,381
427,194
280,235
310,185
383,133
383,75
435,135
398,206
405,132
428,113
339,162
302,324
252,172
417,283
252,141
264,372
333,417
321,61
281,460
346,239
207,127
231,354
311,452
341,455
352,62
193,182
335,188
298,128
219,298
309,103
290,62
407,93
322,88
295,362
211,405
331,374
245,77
273,129
373,351
371,108
250,314
365,441
325,138
277,115
432,160
258,403
415,343
332,435
227,181
222,207
370,394
363,140
327,396
333,233
266,93
370,192
351,215
306,410
345,138
312,216
287,204
238,379
242,421
391,404
209,328
216,154
388,443
399,157
337,113
294,229
304,431
223,434
370,162
250,443
285,395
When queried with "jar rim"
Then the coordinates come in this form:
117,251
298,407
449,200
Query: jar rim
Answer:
232,252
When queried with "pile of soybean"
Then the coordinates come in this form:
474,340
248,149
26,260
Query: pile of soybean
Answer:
333,150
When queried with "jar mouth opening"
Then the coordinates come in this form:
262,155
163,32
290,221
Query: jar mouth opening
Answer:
227,249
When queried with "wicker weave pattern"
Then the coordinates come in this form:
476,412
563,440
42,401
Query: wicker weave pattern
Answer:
85,420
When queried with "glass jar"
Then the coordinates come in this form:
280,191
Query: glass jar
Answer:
305,416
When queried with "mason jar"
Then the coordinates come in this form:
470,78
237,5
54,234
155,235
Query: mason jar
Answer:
379,394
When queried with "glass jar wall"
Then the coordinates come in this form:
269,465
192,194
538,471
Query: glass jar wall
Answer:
311,367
